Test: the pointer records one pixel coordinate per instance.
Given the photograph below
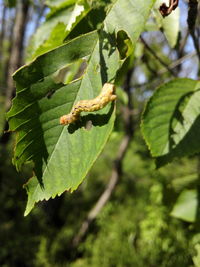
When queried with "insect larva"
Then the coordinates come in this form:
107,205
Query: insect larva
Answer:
107,95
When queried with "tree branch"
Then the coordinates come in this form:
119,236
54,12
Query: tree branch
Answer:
174,64
17,46
178,62
16,55
156,56
191,20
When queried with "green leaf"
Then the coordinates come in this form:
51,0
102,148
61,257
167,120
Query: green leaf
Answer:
63,155
157,123
185,124
186,206
185,131
128,16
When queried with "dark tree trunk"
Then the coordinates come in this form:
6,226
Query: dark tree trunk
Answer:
2,33
16,56
2,39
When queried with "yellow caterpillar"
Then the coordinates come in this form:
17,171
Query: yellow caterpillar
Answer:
107,95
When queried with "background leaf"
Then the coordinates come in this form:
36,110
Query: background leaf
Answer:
159,114
186,206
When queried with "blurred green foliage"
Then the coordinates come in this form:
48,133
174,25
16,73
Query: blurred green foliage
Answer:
134,229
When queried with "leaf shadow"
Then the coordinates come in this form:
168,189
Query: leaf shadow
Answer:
31,145
107,42
177,115
95,119
186,147
183,148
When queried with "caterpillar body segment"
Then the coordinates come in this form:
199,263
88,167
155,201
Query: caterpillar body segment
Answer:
107,95
69,118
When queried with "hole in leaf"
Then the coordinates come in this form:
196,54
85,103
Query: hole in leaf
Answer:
124,44
88,125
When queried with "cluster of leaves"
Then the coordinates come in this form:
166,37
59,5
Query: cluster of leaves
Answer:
98,41
62,156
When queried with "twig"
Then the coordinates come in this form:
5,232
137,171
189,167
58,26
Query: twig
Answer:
166,10
182,44
191,20
116,172
163,71
178,62
156,56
